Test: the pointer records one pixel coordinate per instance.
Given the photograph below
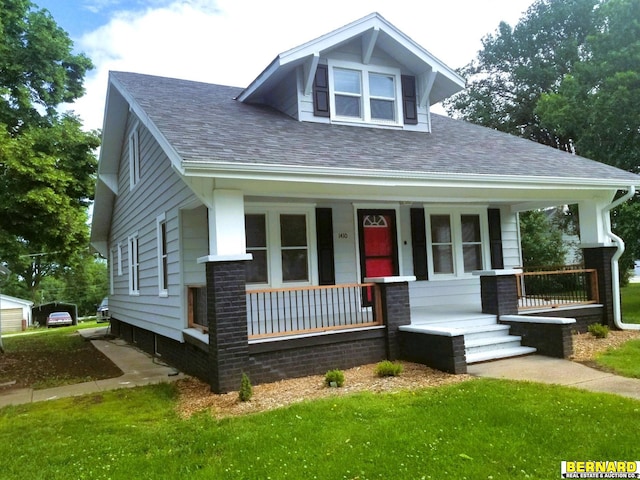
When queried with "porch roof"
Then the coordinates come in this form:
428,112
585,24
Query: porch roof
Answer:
206,130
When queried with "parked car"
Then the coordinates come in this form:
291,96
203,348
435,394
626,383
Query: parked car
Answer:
102,315
59,318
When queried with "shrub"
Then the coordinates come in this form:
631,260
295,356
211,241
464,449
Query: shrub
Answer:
246,390
334,378
388,369
598,330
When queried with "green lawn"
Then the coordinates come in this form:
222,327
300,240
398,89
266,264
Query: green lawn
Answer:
480,429
630,303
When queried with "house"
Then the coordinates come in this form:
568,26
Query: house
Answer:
324,217
15,313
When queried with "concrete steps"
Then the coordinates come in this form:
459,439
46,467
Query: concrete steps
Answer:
484,338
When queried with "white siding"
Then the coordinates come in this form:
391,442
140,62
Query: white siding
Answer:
160,190
344,243
510,239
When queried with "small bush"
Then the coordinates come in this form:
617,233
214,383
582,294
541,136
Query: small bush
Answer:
334,378
598,330
246,390
388,369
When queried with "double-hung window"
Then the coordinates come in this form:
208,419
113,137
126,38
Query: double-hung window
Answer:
134,265
457,241
134,157
280,241
365,93
163,273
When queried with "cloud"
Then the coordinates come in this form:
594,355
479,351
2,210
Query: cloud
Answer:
231,41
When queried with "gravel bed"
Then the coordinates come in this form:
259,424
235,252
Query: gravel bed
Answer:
195,396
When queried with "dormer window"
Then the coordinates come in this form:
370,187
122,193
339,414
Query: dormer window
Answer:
363,93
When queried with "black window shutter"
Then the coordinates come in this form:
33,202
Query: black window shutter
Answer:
409,100
321,92
324,235
419,243
495,238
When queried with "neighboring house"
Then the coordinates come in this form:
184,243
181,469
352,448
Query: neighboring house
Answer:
15,313
323,217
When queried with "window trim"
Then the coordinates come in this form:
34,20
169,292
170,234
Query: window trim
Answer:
365,95
112,269
163,255
272,214
455,213
134,156
134,264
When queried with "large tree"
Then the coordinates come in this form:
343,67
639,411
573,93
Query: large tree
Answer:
567,75
47,161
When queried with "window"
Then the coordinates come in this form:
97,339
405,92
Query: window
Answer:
365,94
163,274
112,269
456,242
134,265
280,241
134,157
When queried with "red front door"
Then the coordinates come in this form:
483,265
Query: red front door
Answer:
378,247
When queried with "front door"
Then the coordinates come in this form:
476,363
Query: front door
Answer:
378,244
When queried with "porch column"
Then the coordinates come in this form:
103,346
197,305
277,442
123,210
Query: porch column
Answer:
226,223
599,257
226,290
396,308
499,291
227,321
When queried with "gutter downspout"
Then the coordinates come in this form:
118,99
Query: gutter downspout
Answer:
615,277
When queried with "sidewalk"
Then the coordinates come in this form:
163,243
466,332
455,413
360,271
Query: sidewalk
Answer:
536,368
139,369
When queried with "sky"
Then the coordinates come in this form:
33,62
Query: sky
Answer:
229,42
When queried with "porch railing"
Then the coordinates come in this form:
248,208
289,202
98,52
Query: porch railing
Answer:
552,289
288,311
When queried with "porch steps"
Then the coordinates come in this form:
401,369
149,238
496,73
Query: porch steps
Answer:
484,338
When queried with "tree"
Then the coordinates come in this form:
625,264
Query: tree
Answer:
568,75
542,242
47,162
517,65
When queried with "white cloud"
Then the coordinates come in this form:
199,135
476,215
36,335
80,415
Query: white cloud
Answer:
232,41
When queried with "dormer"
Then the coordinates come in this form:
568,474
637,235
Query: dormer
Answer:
367,73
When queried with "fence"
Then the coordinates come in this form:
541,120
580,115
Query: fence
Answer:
552,289
286,311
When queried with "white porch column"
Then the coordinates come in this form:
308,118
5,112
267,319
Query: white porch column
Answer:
593,224
226,226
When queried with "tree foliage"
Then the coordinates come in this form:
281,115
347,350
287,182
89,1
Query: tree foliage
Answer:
567,75
542,242
47,162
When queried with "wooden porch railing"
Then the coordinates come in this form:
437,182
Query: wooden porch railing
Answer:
552,289
298,310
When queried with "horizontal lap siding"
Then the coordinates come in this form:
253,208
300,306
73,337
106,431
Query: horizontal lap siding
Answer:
158,191
510,239
445,292
194,245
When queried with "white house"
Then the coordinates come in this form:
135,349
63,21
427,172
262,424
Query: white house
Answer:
15,313
269,229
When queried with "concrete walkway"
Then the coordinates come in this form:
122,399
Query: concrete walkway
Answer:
536,368
139,369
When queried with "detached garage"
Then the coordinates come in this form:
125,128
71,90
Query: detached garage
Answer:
15,313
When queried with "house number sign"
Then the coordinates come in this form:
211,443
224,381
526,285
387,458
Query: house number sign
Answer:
343,235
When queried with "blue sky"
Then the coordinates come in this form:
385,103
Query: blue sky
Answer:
231,41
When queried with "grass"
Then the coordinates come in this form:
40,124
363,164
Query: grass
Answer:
57,339
624,360
477,429
630,303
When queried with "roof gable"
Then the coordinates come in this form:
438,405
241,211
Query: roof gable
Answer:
436,80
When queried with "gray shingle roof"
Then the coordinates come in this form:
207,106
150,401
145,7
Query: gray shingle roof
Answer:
204,123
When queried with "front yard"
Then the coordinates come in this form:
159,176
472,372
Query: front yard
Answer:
477,429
